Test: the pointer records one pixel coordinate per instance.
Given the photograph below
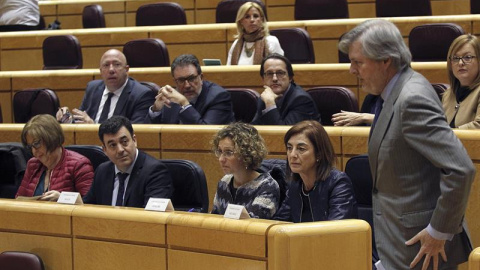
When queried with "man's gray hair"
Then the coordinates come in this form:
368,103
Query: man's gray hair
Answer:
380,40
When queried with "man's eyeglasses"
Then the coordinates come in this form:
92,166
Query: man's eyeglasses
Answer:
115,65
466,59
35,145
226,153
190,79
280,74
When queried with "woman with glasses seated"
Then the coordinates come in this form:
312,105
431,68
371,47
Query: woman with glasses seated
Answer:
52,169
253,41
317,190
240,151
462,100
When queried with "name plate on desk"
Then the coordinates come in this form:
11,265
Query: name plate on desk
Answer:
235,211
160,205
70,198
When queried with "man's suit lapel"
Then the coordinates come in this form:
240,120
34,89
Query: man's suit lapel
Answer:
97,97
137,169
119,108
383,122
109,183
201,100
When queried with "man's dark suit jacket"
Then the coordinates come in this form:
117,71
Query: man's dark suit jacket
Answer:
150,178
212,107
133,102
295,106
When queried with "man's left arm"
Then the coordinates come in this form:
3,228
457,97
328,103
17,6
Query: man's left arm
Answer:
218,111
425,129
145,99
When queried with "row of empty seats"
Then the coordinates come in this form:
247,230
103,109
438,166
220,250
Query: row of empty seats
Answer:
64,51
170,13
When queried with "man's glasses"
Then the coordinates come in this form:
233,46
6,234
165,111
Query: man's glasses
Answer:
115,65
280,74
190,79
226,153
467,59
35,145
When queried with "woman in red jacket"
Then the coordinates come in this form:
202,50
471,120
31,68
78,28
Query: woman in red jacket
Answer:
53,169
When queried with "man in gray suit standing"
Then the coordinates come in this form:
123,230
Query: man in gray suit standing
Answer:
422,173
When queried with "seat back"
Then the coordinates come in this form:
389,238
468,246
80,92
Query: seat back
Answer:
30,102
430,42
62,52
245,103
331,99
147,52
358,169
277,169
93,152
17,260
298,52
190,185
440,88
320,9
474,6
402,8
152,86
13,163
93,17
167,13
226,11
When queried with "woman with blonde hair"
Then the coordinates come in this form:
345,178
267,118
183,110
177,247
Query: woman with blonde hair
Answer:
461,101
240,151
253,41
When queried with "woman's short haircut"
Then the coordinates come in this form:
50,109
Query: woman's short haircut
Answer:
457,44
324,153
241,14
249,146
381,40
46,128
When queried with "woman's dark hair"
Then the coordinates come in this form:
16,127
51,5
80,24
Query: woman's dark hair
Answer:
324,153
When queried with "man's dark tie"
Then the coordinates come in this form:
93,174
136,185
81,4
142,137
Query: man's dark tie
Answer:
121,188
378,110
106,109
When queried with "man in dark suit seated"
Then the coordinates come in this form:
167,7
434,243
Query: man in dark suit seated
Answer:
131,177
194,101
282,102
115,94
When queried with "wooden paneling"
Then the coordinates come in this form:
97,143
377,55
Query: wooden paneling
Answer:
132,226
90,254
49,219
181,260
219,235
283,239
56,252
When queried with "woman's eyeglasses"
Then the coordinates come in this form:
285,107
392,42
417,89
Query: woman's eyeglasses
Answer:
467,59
35,145
226,153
